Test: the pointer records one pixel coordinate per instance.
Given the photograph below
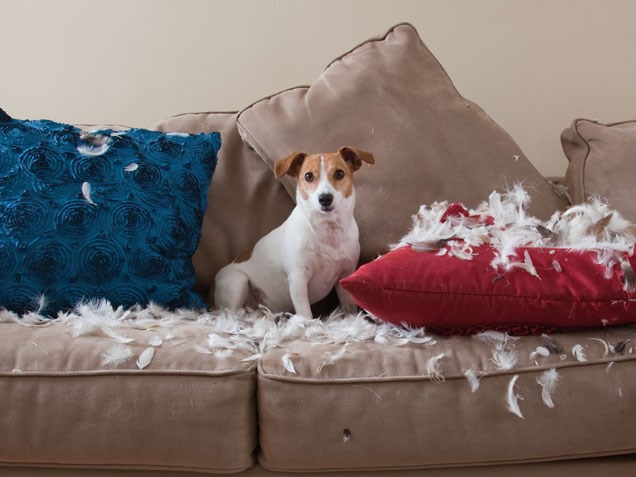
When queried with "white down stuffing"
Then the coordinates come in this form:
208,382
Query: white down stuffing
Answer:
589,226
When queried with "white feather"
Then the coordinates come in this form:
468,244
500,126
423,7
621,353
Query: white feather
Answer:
548,381
155,341
223,353
97,315
116,355
288,363
251,332
331,360
254,357
145,357
579,353
605,345
493,337
473,380
93,144
540,351
590,226
461,250
433,369
512,399
132,167
112,334
504,359
202,350
86,192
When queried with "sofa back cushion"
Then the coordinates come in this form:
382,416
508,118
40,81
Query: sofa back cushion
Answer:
391,97
601,163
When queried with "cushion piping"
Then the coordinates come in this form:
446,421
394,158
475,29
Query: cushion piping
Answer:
603,362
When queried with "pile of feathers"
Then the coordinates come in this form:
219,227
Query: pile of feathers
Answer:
503,223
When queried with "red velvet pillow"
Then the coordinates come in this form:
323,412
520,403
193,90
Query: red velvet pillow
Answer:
496,267
450,295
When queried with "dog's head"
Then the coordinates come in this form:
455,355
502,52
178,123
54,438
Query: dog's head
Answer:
324,180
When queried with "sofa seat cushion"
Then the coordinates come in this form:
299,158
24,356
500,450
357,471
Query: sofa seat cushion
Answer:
453,401
83,401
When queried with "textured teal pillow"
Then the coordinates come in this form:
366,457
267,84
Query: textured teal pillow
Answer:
106,214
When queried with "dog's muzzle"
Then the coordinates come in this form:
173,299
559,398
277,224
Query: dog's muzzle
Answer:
325,201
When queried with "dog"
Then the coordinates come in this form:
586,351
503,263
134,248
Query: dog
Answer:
300,262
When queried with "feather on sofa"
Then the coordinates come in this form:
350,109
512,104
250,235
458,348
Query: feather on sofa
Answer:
104,389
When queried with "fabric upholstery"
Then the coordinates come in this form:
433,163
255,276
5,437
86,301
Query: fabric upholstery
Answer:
106,214
601,163
391,97
378,407
431,290
65,406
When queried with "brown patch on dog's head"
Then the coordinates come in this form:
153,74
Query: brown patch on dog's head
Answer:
309,175
290,165
354,157
338,167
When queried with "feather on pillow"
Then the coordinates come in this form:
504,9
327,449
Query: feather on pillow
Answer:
495,267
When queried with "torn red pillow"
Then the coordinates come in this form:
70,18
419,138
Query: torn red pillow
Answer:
495,267
448,294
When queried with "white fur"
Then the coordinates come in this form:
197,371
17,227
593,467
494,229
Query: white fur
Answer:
298,263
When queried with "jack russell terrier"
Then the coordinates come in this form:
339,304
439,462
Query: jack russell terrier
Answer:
298,263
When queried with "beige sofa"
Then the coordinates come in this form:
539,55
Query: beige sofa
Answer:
276,394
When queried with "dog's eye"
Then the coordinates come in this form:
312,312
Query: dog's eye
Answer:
339,174
309,176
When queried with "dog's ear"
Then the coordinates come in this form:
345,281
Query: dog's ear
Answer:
290,165
354,157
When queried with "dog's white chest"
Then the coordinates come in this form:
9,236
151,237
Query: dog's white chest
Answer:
328,253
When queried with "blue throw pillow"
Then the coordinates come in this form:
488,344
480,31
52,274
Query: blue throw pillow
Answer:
106,214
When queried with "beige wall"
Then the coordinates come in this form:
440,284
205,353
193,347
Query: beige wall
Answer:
534,65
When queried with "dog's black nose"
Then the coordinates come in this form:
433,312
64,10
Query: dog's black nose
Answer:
325,200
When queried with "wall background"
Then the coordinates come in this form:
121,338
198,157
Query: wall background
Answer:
534,65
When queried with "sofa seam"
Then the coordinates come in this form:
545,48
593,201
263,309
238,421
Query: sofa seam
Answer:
458,465
135,467
581,177
124,373
447,377
453,294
